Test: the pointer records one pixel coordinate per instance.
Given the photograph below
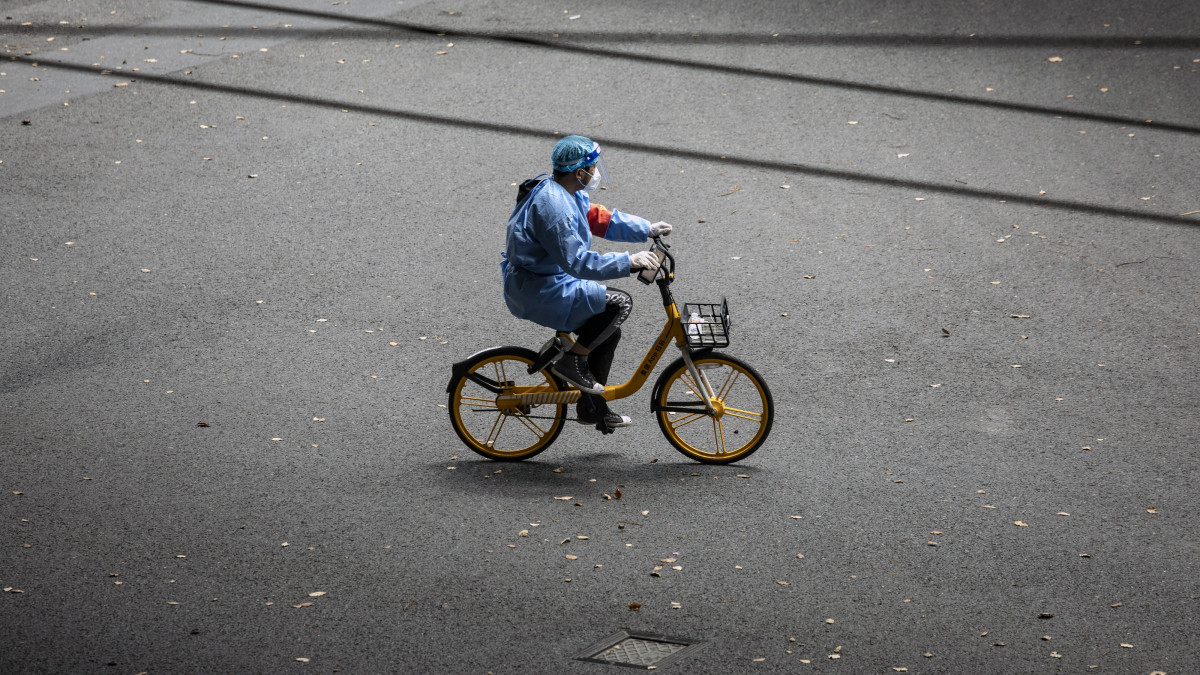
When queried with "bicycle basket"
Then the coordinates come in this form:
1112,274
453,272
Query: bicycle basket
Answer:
706,324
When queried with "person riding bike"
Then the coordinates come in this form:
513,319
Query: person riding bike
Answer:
550,274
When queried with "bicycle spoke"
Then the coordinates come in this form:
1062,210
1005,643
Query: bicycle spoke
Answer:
495,432
686,420
744,414
531,425
729,382
480,402
719,435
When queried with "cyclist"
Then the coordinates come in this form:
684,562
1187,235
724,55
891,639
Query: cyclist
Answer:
550,274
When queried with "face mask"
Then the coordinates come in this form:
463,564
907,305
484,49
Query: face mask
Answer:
593,183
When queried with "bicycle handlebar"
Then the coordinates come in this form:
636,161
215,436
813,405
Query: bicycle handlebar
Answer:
659,246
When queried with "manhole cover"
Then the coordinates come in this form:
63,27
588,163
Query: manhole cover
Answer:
638,650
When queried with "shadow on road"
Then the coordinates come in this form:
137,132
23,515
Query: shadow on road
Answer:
649,148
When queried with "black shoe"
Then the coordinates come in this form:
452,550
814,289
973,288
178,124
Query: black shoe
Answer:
574,369
588,412
613,421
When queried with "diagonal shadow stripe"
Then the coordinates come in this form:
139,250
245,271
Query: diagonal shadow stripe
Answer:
648,148
558,45
398,29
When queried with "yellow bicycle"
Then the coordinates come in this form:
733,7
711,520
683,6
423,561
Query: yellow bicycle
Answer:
505,403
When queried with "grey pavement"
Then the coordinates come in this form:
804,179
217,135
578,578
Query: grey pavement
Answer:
243,242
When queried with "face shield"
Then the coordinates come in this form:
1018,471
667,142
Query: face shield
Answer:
599,178
597,172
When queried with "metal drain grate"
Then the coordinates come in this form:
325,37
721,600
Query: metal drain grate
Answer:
638,650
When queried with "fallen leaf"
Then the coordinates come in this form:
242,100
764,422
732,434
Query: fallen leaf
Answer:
783,583
1126,645
1055,655
1055,59
1020,524
302,659
316,594
563,499
635,606
571,557
1151,510
523,533
800,555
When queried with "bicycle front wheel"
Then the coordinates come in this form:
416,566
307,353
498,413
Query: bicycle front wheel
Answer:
742,408
490,423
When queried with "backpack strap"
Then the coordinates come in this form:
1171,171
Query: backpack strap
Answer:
525,188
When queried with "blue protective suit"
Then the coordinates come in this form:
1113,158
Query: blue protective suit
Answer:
548,270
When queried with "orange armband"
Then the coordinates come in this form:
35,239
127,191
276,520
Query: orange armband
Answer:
598,218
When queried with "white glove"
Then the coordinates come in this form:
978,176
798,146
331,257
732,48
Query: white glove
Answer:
643,260
660,229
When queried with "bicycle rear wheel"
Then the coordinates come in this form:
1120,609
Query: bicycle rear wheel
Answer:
742,404
490,425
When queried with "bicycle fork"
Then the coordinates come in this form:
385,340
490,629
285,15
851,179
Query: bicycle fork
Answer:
700,378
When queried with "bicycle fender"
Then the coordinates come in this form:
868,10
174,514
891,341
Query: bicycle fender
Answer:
459,369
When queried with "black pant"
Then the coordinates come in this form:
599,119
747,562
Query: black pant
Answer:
600,334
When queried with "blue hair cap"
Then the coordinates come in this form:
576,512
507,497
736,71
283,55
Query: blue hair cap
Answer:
574,152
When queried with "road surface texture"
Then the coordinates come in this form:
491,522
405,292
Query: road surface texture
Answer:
243,241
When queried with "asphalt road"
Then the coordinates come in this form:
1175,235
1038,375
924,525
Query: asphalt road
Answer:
242,247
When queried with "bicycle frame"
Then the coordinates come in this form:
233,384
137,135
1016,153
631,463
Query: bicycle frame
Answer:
672,331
